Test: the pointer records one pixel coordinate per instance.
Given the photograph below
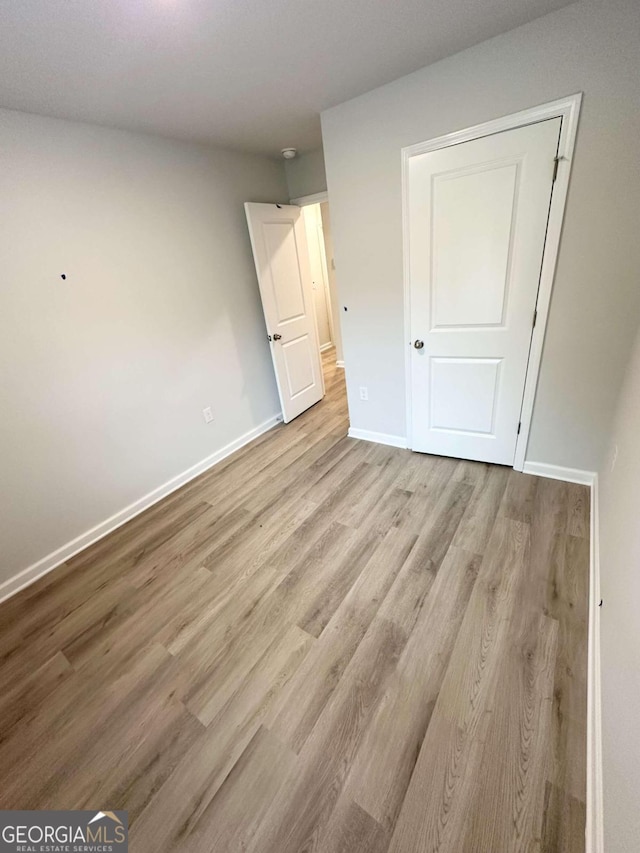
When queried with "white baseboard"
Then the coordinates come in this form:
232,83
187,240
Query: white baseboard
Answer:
594,834
46,564
340,363
557,472
325,347
378,437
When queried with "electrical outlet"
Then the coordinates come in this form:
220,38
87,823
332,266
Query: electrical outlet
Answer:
207,414
614,456
364,392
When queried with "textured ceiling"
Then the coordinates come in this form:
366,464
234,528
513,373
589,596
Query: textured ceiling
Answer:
248,74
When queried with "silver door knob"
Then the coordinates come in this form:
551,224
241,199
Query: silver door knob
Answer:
277,337
418,344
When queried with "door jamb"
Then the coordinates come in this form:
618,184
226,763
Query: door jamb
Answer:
568,109
315,198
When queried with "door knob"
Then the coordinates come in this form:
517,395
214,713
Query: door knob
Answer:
417,344
277,337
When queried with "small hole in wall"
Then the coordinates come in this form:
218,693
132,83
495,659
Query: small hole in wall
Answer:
63,276
345,307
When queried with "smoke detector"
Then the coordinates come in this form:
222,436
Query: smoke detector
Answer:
289,153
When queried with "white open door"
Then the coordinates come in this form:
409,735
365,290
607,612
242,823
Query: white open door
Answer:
477,221
282,265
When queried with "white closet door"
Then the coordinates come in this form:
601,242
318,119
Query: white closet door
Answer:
477,222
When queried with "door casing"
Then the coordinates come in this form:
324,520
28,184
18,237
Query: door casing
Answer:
568,109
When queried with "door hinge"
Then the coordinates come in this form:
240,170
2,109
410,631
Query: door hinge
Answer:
535,317
519,425
556,162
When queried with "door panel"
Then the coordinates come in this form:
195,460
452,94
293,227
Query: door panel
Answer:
282,265
469,287
298,361
477,222
464,392
284,270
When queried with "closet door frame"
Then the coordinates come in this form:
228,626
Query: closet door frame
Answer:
568,109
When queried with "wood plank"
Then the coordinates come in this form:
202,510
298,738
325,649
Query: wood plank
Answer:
232,817
134,624
477,522
58,752
30,693
381,772
506,810
519,496
564,819
301,703
226,668
303,807
578,511
176,810
567,601
352,830
448,768
408,594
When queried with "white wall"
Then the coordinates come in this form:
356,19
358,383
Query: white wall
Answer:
620,619
104,375
306,174
591,47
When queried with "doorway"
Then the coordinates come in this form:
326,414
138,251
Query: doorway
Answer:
317,208
318,263
482,216
297,288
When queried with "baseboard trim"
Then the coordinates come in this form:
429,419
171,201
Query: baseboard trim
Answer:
594,830
65,552
378,437
558,472
325,347
340,363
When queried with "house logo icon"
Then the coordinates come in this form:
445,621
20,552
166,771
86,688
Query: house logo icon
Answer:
111,815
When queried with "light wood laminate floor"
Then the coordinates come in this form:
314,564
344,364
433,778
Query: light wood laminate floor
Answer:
319,645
